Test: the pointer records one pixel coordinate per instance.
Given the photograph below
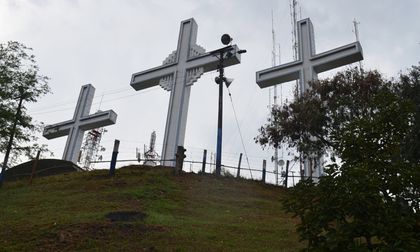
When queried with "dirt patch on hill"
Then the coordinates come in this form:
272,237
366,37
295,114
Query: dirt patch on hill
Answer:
125,216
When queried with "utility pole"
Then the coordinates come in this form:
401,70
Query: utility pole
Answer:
220,117
12,134
221,54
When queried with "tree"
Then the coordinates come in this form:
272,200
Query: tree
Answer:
370,195
19,78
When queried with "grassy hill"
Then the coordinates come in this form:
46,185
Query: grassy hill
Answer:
143,209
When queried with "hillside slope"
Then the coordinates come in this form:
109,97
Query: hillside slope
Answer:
143,209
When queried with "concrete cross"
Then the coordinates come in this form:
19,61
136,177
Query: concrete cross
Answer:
81,122
307,67
177,74
309,64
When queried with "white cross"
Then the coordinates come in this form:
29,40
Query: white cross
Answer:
307,67
309,64
177,74
81,122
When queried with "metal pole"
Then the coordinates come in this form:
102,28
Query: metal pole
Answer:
9,145
301,165
220,118
310,168
203,169
114,158
287,173
239,166
263,170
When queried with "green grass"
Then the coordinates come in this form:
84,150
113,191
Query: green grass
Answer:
183,213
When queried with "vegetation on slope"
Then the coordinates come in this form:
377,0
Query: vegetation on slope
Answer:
144,209
369,196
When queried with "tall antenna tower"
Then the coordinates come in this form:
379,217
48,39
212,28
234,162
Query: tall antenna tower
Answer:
273,63
293,19
356,33
273,36
91,148
151,156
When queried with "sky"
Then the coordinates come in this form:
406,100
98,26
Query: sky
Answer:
103,42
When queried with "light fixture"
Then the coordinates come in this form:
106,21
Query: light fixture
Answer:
228,81
226,39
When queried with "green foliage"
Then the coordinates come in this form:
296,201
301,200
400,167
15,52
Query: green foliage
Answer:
19,77
369,199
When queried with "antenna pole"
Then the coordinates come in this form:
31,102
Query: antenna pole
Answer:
356,33
293,17
273,62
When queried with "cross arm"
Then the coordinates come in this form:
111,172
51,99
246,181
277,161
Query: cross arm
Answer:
337,57
278,74
99,119
210,62
58,129
151,77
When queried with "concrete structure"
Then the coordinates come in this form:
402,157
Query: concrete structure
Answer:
177,74
81,122
307,66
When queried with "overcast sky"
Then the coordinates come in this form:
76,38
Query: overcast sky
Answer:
103,42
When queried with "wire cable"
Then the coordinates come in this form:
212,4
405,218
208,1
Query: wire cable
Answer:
240,133
47,110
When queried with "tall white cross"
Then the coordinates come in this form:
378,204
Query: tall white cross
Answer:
307,67
177,74
309,64
81,122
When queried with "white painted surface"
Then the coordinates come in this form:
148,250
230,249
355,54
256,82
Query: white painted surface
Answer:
81,122
308,66
177,74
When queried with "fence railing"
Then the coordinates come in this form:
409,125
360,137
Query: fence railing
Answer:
180,160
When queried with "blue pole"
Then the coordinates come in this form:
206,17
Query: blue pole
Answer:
220,118
114,158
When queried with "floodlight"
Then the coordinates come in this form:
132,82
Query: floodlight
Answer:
218,80
226,39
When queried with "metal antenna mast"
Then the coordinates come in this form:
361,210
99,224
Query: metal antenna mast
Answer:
151,156
293,19
356,33
90,151
293,15
273,35
273,62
